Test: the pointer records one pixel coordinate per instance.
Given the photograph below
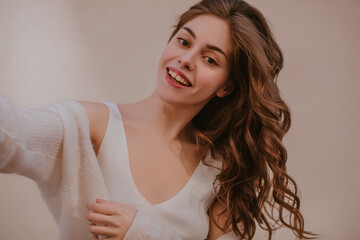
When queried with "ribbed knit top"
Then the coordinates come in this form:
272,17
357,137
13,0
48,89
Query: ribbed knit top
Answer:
185,213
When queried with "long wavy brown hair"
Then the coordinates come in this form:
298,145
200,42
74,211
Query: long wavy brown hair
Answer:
246,128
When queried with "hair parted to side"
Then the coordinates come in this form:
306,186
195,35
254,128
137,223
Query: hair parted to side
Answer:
246,128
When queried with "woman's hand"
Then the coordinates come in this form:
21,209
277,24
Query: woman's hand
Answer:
110,219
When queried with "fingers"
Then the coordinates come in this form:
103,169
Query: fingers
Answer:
110,219
98,218
102,230
94,235
99,200
109,208
103,208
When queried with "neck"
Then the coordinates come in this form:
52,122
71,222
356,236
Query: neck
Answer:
172,121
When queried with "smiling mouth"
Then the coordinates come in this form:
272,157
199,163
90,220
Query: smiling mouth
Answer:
177,79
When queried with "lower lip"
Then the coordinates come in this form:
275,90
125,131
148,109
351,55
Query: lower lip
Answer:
172,82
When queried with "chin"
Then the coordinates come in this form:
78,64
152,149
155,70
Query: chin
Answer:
166,96
164,92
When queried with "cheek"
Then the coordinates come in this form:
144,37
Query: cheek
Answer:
167,54
213,80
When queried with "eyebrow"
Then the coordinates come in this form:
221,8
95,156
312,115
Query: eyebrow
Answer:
212,47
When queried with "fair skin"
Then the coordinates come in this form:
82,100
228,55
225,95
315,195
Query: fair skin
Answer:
160,124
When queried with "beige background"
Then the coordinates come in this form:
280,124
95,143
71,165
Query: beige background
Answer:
108,51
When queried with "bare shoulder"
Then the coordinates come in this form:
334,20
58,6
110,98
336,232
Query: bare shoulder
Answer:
98,114
218,221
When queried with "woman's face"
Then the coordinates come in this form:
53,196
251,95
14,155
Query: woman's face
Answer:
194,66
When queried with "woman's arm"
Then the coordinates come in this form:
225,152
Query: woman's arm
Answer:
30,141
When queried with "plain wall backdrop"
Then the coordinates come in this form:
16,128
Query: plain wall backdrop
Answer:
55,50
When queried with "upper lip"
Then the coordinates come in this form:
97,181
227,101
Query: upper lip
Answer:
179,73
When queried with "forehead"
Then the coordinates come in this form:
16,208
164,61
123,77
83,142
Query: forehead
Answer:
211,30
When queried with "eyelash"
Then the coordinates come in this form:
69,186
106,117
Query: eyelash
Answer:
180,40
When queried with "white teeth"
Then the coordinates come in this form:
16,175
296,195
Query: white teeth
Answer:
178,78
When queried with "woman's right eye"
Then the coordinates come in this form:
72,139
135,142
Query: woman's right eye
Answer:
183,42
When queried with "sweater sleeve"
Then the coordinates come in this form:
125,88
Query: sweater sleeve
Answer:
30,142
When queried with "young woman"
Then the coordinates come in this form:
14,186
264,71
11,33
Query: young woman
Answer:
202,157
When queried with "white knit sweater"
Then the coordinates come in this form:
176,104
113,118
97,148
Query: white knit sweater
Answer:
52,146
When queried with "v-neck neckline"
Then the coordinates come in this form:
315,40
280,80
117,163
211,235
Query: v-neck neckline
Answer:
173,198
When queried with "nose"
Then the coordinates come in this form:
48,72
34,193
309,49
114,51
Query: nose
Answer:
187,60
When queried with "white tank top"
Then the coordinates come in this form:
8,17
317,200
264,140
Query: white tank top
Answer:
185,213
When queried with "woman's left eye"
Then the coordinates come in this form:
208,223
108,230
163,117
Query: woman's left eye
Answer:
183,42
210,60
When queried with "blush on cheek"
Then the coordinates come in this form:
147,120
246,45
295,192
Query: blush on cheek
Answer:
167,53
213,80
